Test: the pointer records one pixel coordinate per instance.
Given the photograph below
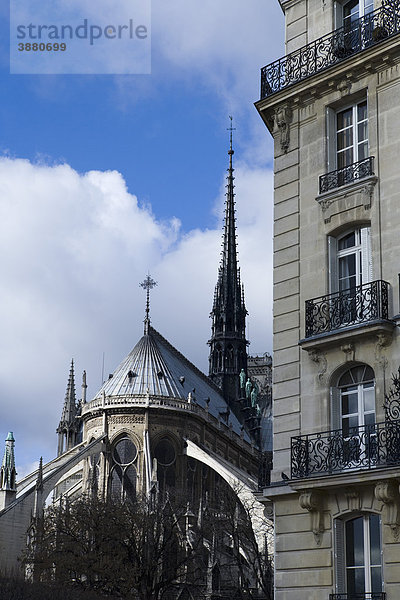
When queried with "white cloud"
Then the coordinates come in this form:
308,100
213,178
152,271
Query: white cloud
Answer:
74,248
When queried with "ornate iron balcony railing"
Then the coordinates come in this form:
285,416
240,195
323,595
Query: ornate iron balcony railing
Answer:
341,450
330,49
360,304
350,174
362,596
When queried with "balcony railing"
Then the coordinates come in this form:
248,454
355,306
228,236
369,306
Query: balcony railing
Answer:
362,596
330,49
357,305
350,174
330,452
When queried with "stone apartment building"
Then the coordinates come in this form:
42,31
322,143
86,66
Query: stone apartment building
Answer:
332,105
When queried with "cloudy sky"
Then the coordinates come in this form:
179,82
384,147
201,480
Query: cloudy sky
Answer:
106,177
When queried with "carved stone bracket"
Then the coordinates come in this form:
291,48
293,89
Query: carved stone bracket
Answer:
349,351
388,493
367,194
283,118
353,500
320,359
344,87
311,500
383,341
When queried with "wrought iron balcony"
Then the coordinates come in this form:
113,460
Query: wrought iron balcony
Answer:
350,174
357,305
341,450
362,596
331,49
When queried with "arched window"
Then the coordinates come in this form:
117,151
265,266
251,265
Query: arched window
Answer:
165,454
353,412
123,474
356,394
358,561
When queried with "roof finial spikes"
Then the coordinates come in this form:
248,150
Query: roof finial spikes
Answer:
231,150
148,284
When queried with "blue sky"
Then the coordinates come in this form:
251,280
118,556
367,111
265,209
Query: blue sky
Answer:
105,177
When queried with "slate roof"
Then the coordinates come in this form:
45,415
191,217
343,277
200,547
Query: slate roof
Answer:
155,367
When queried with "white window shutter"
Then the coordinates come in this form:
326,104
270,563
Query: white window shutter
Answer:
336,411
333,265
338,14
366,257
331,139
340,557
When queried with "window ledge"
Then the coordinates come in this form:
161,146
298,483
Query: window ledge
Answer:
345,478
347,335
359,192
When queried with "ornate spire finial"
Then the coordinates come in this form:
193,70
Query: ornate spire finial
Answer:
148,284
39,478
7,470
231,150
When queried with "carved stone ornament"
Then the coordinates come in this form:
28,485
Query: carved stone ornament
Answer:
320,359
283,117
344,87
349,351
311,500
383,341
353,500
388,493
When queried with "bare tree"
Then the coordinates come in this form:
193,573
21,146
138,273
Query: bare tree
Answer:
154,549
135,550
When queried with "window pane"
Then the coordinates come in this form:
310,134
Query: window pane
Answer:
362,131
349,404
376,579
363,151
344,118
369,399
375,540
362,111
125,452
130,482
345,139
116,482
355,542
369,419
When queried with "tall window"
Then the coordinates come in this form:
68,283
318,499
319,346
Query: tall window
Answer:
123,474
357,398
351,135
350,262
358,555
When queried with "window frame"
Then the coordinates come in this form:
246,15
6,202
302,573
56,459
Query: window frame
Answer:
331,131
340,553
362,250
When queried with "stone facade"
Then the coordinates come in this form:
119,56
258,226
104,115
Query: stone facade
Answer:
336,245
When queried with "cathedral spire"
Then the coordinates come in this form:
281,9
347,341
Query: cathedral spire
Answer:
228,354
68,426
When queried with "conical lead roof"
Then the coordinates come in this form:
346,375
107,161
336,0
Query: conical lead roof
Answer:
155,368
